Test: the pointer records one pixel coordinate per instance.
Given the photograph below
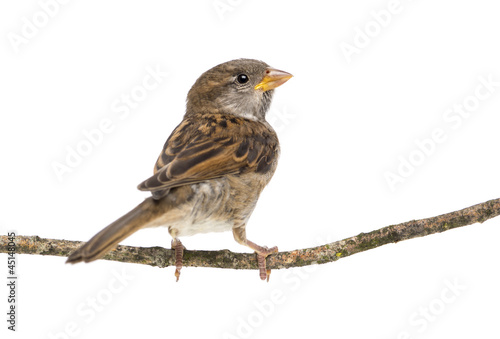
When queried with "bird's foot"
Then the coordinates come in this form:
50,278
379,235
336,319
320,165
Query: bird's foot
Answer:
262,254
179,252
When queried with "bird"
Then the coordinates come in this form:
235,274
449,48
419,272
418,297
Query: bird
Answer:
213,166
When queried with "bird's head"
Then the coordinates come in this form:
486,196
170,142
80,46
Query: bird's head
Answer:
242,87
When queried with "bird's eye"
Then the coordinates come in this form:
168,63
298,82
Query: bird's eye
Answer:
242,78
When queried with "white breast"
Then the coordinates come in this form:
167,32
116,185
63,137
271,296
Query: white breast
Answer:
205,212
205,226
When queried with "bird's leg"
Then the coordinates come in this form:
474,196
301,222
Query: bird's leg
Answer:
262,251
179,251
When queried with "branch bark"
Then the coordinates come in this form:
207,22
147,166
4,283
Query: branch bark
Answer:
162,257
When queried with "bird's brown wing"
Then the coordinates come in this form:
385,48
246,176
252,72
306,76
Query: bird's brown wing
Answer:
210,147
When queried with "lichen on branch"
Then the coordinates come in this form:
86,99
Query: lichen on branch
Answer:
162,257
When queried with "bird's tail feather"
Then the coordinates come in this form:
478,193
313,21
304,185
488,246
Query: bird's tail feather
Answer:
104,241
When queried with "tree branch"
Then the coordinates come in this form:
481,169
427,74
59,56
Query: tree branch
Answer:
158,256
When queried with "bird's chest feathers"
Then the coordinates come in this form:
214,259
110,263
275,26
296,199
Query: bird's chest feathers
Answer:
205,226
217,205
207,210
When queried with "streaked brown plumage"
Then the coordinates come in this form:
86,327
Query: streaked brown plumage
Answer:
213,166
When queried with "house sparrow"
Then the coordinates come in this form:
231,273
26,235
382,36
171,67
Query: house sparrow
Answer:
213,166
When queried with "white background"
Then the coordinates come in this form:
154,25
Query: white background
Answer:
342,126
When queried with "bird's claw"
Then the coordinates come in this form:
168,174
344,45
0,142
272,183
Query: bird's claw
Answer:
264,273
178,254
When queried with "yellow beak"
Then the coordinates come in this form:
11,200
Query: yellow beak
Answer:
273,79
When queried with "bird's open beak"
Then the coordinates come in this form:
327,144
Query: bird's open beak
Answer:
273,79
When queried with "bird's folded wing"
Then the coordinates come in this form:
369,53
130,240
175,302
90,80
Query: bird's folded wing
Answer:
211,155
